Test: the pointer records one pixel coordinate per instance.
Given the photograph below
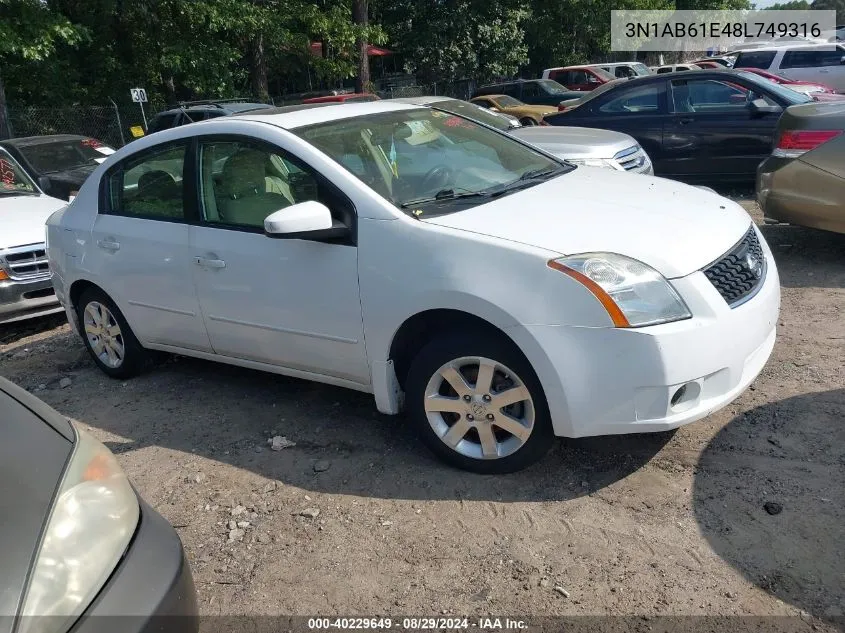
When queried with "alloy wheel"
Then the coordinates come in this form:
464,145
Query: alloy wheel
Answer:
104,335
479,408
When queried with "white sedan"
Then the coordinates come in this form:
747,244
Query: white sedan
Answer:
495,293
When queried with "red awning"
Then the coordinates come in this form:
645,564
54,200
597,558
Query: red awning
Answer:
372,51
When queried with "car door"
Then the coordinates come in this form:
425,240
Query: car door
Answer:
293,303
140,250
638,110
712,131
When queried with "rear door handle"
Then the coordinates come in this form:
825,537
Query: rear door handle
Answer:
108,245
685,120
210,263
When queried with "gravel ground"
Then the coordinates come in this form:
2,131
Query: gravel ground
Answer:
358,519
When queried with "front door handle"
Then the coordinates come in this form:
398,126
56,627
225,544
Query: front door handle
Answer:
108,245
685,120
210,263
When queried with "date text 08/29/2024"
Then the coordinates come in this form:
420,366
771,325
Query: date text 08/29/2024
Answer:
453,623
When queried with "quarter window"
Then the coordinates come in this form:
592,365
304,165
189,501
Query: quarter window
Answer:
242,183
150,186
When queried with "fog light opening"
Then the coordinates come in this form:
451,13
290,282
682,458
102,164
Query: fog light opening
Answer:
685,397
676,397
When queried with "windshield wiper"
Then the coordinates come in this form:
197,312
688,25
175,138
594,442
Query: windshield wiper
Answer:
525,180
443,194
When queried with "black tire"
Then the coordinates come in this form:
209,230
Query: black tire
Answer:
443,350
136,359
527,121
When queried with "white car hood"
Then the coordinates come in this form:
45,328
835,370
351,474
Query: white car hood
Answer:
674,228
22,218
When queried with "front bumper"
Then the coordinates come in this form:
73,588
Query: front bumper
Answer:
790,190
26,299
601,381
151,590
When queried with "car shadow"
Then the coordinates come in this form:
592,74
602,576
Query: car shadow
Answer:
807,258
369,454
13,332
765,506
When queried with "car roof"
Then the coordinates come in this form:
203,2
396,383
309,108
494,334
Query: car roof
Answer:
782,47
26,141
291,117
239,106
426,99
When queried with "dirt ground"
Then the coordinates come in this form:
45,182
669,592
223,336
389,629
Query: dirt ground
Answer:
647,525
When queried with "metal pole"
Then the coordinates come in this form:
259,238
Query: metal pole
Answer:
143,116
119,124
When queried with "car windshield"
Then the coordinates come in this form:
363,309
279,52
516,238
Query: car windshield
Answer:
54,156
474,112
504,101
430,162
790,96
13,179
552,87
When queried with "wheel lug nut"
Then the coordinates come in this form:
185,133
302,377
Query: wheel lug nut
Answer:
489,416
486,397
467,398
469,417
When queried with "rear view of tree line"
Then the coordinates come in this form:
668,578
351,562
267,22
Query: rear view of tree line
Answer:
87,51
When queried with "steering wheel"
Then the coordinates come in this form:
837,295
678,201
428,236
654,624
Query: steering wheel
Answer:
437,178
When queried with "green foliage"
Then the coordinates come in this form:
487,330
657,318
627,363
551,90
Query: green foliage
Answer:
792,5
454,39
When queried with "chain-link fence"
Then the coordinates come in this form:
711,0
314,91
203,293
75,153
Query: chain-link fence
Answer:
110,124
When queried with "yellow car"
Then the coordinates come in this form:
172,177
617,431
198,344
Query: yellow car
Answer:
527,114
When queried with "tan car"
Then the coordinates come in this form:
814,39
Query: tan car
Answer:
803,181
527,114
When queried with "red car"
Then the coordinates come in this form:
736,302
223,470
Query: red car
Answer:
344,98
790,82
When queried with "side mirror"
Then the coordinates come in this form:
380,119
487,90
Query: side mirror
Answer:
842,61
494,109
761,107
309,220
44,184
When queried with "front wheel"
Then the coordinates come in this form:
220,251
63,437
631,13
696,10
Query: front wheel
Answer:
477,404
527,121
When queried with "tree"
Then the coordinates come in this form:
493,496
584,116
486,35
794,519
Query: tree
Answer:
457,39
360,17
30,32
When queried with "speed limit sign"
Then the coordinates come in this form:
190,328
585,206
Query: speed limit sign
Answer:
139,95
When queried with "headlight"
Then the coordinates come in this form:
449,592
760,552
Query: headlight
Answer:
593,162
632,293
90,526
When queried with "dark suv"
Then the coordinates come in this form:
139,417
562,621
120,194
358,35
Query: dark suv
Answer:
192,112
531,91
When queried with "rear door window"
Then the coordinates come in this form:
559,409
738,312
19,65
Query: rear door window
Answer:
755,59
638,100
150,185
811,58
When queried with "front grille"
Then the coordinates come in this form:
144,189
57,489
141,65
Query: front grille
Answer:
740,272
26,262
632,159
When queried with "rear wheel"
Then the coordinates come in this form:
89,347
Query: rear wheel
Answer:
108,337
477,404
